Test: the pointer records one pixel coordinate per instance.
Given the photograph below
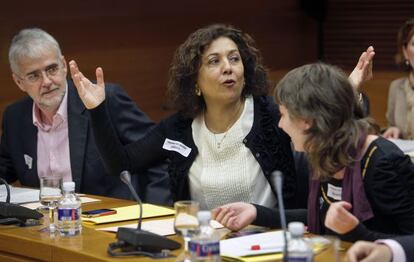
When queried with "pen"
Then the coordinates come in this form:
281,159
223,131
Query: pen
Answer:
264,246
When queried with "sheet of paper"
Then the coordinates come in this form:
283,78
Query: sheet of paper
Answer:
131,213
407,146
83,200
19,195
239,249
163,227
241,246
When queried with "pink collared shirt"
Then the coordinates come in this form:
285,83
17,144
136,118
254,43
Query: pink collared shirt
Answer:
53,158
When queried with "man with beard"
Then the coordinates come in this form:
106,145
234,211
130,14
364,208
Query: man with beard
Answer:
48,133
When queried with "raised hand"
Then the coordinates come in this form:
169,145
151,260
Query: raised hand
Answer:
235,216
363,70
339,219
91,94
368,251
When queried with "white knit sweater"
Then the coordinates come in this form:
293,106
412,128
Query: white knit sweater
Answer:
229,172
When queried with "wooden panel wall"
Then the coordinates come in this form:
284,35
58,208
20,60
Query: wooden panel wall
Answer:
134,40
351,26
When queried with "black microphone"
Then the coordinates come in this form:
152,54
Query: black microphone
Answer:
14,214
138,241
278,178
126,178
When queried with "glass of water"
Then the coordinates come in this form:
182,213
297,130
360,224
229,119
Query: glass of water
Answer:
186,222
50,194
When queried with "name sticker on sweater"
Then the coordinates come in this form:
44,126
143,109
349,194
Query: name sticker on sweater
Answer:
334,192
176,146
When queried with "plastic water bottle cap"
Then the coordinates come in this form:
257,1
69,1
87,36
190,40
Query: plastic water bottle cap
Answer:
204,216
68,186
296,228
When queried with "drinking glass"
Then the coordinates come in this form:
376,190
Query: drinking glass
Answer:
50,194
186,222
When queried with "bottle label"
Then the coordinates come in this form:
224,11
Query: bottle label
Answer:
204,249
68,214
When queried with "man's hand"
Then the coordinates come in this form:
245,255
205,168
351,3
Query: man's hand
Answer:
369,252
339,219
363,70
91,94
235,216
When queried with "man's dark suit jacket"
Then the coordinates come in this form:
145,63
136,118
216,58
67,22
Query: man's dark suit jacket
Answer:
19,138
407,242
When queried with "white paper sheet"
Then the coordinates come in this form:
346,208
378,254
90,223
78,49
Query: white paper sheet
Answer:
163,227
407,146
19,195
270,242
83,200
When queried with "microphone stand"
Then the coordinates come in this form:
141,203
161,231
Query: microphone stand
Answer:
278,177
137,241
126,178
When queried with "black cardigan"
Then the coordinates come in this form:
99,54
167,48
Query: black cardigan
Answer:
389,187
269,145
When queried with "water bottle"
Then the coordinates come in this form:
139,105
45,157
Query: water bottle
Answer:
69,211
205,246
299,249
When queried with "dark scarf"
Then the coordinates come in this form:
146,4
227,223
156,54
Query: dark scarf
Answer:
352,192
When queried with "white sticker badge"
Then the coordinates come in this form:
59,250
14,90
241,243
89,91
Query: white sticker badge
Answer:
28,160
176,146
334,192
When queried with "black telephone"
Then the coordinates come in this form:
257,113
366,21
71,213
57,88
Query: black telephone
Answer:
14,214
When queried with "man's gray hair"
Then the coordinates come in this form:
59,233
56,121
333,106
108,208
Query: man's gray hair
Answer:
30,43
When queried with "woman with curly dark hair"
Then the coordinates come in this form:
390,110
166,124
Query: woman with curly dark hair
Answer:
223,143
361,186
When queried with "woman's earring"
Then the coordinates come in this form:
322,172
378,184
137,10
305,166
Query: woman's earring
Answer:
407,62
197,90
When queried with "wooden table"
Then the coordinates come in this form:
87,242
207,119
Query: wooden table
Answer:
31,244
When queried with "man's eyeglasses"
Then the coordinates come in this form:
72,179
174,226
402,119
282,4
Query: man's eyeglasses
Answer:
35,77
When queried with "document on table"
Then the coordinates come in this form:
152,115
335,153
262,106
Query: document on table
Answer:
19,195
131,213
242,246
270,247
163,227
83,199
407,146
